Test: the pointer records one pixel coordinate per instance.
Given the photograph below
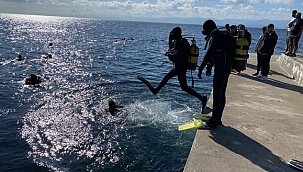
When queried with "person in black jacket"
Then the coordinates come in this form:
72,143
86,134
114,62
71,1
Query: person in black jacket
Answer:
220,54
178,54
267,51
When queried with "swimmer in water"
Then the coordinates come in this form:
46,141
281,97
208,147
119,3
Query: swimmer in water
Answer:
49,56
113,108
19,58
32,80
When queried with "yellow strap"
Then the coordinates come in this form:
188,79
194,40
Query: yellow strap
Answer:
238,58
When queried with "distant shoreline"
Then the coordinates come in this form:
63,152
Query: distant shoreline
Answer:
279,24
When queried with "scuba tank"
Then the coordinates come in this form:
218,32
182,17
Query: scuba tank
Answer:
193,55
192,60
242,46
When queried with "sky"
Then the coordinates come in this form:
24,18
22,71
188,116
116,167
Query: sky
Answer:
181,11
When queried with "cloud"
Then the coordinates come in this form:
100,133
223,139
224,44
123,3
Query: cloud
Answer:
279,9
233,1
172,8
13,0
285,2
247,8
53,2
186,1
130,9
255,1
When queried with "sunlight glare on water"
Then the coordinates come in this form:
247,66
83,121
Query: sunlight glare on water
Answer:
65,122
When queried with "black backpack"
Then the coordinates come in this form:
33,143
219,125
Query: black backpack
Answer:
228,43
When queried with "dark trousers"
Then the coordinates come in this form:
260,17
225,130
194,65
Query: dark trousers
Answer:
265,64
220,80
182,81
239,65
287,41
259,56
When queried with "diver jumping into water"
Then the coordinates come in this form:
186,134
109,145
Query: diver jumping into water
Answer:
178,54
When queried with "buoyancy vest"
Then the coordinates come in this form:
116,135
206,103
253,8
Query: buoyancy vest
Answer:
241,49
193,56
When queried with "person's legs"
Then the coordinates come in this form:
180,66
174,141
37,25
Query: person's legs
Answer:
291,45
149,86
295,50
258,63
243,65
167,77
266,65
223,97
296,42
183,84
287,41
220,81
237,65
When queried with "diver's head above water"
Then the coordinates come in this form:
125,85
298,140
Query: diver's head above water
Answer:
32,80
112,104
19,58
113,108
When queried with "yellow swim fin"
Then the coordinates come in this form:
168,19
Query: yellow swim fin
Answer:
191,125
202,117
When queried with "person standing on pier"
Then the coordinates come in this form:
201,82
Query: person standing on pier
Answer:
267,50
241,55
220,54
233,30
257,50
289,27
295,35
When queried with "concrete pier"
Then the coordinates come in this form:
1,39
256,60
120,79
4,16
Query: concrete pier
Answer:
293,66
262,122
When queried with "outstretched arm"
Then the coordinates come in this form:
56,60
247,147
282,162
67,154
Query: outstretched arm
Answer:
209,54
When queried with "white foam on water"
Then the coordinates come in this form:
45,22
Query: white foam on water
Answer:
159,113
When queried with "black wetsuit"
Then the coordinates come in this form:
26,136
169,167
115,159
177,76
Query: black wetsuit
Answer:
180,62
220,54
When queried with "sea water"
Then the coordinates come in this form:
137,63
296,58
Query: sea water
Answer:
63,124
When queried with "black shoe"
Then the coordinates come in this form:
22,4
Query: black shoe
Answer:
219,123
292,55
204,101
255,74
211,124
